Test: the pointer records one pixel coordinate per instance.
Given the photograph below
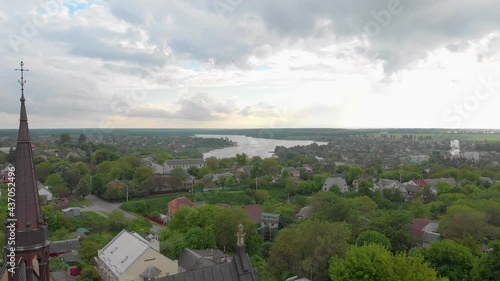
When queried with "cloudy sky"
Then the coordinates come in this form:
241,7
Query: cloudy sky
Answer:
252,63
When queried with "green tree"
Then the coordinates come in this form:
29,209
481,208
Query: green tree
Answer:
461,221
98,185
55,218
241,159
43,170
83,188
172,243
88,250
193,171
394,224
65,138
226,221
373,237
82,139
72,177
449,258
213,164
353,173
306,248
177,177
487,267
54,180
270,166
375,263
56,264
200,238
117,220
261,196
143,174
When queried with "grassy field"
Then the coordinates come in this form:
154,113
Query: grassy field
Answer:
159,203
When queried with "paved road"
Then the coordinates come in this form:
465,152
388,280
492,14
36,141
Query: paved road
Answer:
97,205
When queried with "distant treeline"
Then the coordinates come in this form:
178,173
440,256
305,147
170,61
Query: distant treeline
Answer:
271,133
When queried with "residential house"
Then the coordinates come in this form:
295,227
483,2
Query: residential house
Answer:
268,220
424,231
304,213
57,248
386,184
73,154
470,155
238,269
185,164
156,168
175,204
254,212
221,176
44,193
4,173
130,257
244,170
190,260
6,149
339,182
411,191
421,183
433,182
417,159
486,180
293,172
307,167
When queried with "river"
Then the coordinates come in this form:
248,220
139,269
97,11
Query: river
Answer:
251,146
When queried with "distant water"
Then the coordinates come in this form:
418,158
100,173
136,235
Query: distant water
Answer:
251,146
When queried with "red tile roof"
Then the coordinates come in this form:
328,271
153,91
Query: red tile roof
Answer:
417,228
420,183
254,212
178,202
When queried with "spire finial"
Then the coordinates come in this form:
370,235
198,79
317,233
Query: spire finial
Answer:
22,81
241,236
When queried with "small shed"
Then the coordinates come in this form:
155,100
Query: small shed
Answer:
71,212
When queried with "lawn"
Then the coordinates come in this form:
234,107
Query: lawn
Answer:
159,204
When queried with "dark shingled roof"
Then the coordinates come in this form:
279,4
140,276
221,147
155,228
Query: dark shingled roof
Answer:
64,246
238,269
71,258
190,260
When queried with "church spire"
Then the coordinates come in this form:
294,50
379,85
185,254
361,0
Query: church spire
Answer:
31,230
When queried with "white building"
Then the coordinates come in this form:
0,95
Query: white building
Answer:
183,163
130,257
339,182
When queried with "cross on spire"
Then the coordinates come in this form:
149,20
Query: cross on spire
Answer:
22,81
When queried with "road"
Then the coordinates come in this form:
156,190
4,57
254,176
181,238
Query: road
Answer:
98,205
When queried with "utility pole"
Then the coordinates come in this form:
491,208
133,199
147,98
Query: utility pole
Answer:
127,190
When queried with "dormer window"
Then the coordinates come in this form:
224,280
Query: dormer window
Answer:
124,259
112,251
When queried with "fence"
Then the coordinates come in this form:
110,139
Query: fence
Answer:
158,221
